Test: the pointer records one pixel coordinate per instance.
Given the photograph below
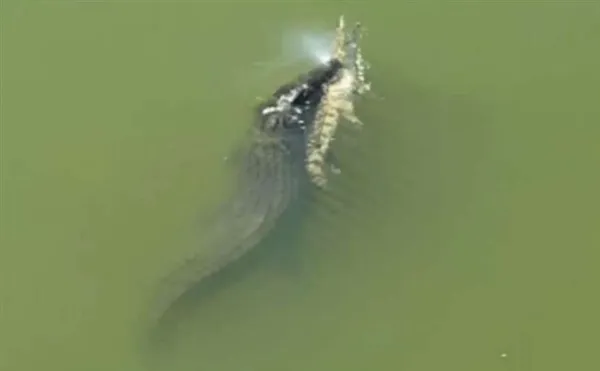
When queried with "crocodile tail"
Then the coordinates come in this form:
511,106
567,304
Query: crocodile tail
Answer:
270,185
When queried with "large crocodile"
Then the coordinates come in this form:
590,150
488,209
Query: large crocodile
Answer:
272,169
270,176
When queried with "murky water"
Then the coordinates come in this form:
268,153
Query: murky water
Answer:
462,233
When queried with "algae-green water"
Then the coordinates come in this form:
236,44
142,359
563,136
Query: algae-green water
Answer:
463,232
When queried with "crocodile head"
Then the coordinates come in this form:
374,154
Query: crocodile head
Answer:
291,108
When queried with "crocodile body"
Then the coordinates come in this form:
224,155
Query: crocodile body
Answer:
271,176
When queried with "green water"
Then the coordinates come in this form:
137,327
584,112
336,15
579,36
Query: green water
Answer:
463,233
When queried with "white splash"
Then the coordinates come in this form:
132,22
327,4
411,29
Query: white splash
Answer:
318,48
308,46
299,48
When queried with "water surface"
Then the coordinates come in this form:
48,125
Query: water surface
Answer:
462,233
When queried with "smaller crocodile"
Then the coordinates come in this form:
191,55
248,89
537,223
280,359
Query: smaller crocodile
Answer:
338,99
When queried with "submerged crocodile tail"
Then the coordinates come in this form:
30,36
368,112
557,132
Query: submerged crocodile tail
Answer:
269,183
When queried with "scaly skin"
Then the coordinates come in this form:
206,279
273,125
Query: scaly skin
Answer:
338,100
